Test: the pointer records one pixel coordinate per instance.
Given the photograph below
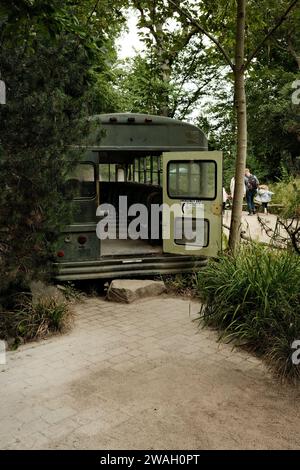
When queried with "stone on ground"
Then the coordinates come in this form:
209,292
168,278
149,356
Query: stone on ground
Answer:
128,290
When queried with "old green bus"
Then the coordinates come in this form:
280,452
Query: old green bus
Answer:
151,162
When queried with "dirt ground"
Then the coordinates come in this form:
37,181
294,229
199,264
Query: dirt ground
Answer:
142,376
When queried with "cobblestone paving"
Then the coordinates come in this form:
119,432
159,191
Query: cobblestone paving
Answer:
142,376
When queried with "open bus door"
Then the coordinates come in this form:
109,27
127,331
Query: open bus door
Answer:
192,197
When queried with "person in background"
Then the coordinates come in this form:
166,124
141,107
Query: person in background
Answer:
265,196
225,198
232,185
251,183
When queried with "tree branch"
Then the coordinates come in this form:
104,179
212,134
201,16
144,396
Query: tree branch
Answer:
272,30
193,98
188,36
200,28
149,23
92,12
185,39
186,102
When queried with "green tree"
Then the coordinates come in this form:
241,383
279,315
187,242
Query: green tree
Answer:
246,39
172,74
273,126
53,59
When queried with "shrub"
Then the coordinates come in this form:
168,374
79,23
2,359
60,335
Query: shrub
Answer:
254,298
182,284
32,321
287,193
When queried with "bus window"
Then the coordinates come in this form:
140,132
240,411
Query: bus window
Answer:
155,178
192,179
142,170
180,237
107,172
146,170
136,170
81,182
129,172
120,173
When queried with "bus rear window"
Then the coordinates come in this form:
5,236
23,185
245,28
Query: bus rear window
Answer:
192,179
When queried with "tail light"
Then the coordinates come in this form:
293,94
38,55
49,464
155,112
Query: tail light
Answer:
60,254
82,240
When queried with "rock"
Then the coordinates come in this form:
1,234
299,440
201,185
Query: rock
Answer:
128,290
41,291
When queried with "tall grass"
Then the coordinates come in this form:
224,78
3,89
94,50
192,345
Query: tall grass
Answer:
32,321
253,298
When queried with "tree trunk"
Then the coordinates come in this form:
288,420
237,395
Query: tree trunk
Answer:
165,76
165,72
241,116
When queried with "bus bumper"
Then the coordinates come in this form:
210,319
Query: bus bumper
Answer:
110,267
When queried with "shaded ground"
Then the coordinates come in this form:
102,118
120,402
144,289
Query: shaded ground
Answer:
142,376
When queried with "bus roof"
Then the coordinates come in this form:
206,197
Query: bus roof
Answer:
145,132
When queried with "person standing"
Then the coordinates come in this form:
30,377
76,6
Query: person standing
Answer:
265,196
232,186
251,183
225,198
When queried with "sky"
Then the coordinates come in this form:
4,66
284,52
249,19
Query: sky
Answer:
129,41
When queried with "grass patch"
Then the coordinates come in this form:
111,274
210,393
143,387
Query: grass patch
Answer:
184,284
70,292
32,321
254,300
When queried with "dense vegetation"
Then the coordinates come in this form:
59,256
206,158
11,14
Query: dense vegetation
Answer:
253,299
54,58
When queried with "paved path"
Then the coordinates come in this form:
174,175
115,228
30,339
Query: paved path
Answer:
142,376
252,227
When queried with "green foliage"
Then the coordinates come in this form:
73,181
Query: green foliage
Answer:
273,129
273,121
272,126
44,114
54,59
70,292
33,321
169,77
47,17
142,87
287,193
254,299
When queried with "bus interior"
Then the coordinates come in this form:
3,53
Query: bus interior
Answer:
138,176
